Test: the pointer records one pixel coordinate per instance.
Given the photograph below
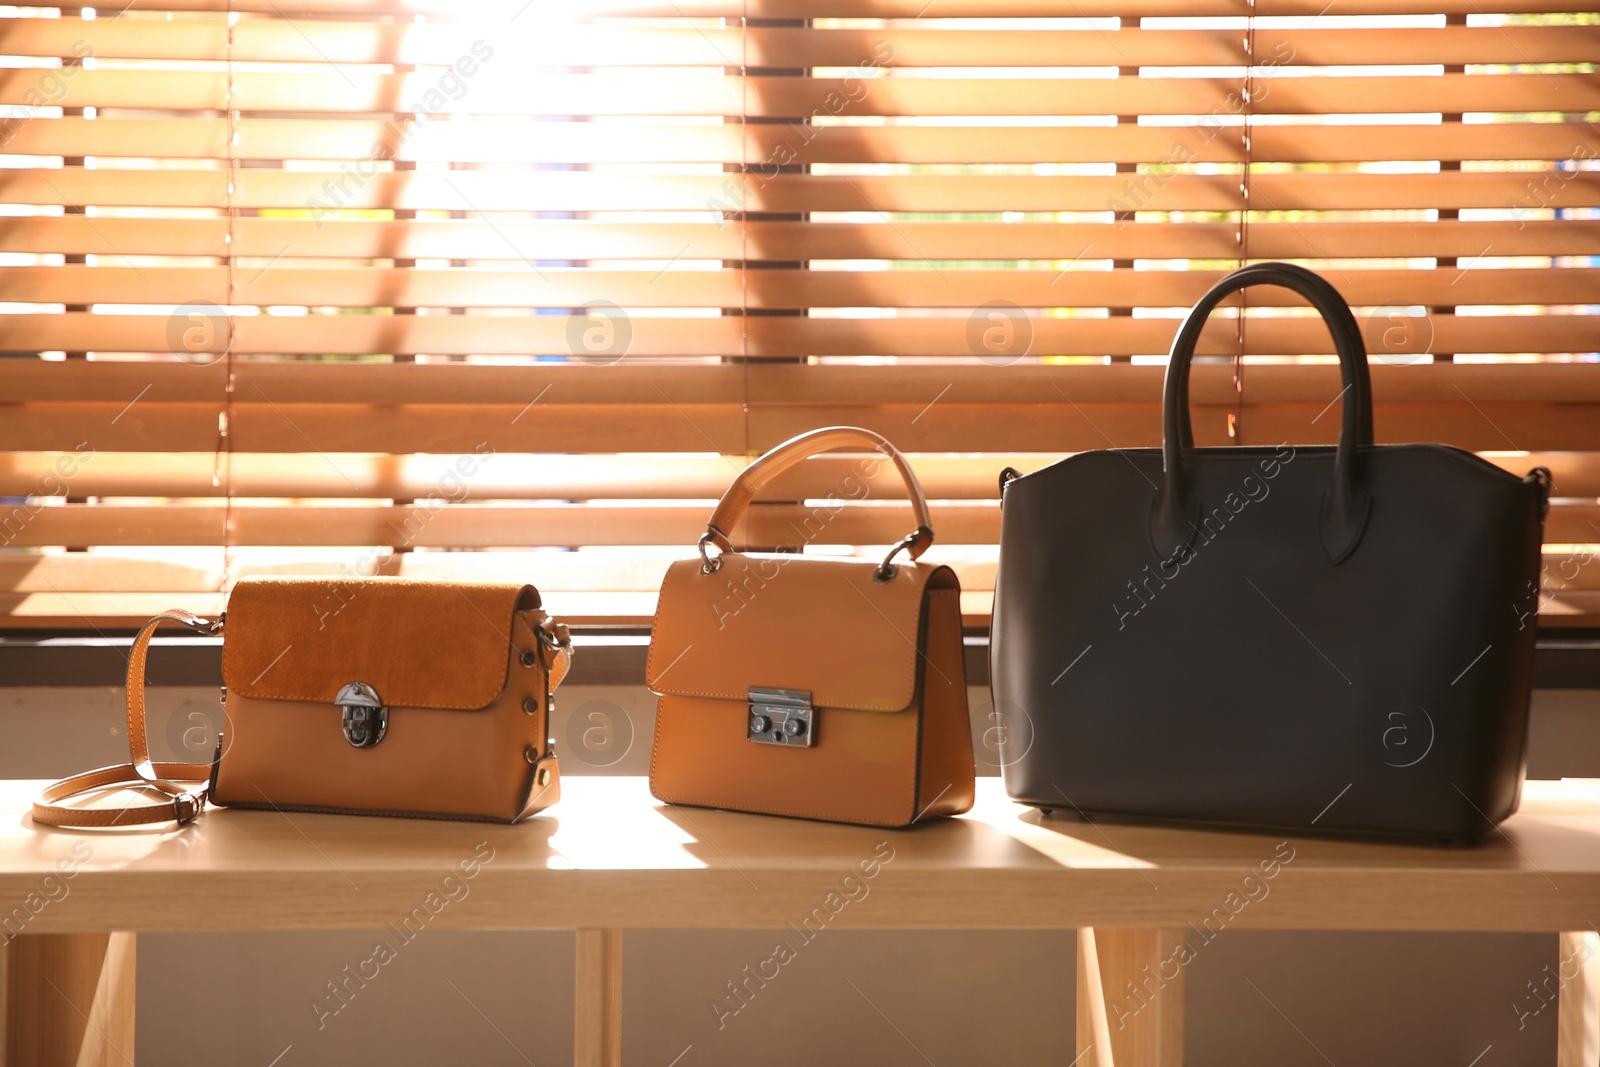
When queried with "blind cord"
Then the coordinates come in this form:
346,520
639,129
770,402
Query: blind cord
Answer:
744,212
230,213
1236,419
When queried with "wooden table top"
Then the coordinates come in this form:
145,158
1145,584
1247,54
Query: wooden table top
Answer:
611,856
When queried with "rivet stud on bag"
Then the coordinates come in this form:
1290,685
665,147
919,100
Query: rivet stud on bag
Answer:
530,705
528,658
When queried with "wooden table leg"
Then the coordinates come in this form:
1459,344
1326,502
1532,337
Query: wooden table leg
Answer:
1130,998
597,1018
69,1000
1578,1043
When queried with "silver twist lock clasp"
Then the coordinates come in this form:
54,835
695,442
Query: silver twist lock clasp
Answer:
365,717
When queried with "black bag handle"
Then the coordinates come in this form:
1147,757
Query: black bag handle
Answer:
1174,518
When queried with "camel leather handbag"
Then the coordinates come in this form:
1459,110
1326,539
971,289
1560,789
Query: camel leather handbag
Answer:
821,688
1302,639
363,696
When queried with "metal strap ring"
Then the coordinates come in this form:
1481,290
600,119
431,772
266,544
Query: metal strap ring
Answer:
210,627
886,569
550,636
186,806
709,564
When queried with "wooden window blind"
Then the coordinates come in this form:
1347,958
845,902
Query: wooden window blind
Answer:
496,290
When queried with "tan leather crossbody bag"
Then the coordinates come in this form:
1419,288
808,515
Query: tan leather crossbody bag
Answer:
369,696
798,685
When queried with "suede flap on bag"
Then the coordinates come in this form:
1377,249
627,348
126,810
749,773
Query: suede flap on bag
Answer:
420,644
790,622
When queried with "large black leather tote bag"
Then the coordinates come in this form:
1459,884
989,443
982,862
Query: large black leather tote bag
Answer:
1297,638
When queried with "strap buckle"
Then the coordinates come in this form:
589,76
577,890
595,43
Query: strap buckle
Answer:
185,806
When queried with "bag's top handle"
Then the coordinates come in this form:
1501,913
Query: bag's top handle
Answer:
180,786
1174,518
730,509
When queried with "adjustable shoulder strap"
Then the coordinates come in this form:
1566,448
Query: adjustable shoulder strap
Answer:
179,787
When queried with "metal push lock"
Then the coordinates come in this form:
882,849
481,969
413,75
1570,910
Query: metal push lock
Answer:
781,717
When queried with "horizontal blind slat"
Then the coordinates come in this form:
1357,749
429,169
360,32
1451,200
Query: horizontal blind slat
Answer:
201,39
495,191
522,335
598,241
570,288
573,477
31,382
889,9
494,92
516,141
423,526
